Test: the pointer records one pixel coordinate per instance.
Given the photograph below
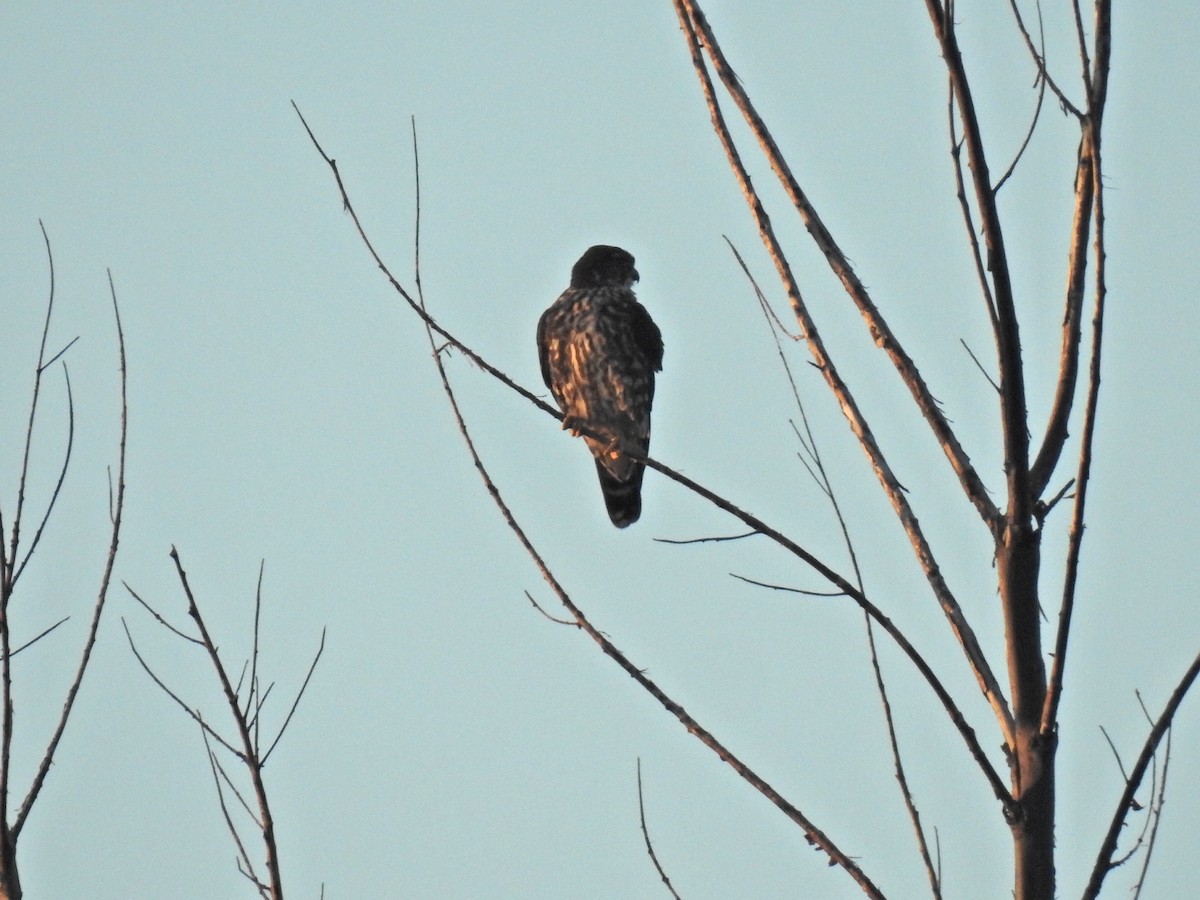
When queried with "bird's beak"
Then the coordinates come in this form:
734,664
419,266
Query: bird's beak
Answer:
636,277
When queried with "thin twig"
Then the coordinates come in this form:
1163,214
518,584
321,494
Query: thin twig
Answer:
706,540
555,619
62,476
1108,847
243,856
646,835
1037,112
816,469
34,640
964,205
193,713
1155,818
85,656
979,366
252,692
158,618
784,587
300,693
1039,59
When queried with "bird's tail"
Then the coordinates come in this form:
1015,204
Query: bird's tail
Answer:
623,498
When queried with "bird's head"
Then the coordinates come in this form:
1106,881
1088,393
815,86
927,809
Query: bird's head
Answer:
604,266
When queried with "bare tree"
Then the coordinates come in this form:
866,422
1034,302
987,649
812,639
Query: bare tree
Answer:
1038,476
20,537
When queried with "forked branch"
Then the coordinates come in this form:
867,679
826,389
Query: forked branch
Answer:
247,748
1104,860
692,22
115,513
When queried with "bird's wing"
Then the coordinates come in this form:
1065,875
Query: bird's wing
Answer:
544,347
647,336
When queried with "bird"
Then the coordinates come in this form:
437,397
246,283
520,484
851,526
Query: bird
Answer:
599,350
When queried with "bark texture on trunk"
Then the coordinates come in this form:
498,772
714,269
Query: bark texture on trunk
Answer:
1032,759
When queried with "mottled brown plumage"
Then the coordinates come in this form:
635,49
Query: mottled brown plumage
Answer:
599,350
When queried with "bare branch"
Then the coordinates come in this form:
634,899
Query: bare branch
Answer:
34,640
1007,331
253,691
62,476
1137,773
1084,471
706,540
783,587
249,753
1085,63
243,856
979,366
646,835
193,713
693,21
688,12
300,693
158,618
7,578
1039,59
43,769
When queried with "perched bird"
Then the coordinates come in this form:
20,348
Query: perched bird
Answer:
599,350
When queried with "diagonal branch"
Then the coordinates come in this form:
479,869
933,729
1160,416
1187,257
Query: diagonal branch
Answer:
1039,59
964,205
299,694
812,833
820,475
1007,332
891,485
1083,474
693,21
62,476
1137,773
194,714
1068,367
249,752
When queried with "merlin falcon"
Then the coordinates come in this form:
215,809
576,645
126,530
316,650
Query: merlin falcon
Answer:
599,350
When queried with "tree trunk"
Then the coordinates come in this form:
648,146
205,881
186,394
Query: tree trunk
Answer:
10,880
1032,760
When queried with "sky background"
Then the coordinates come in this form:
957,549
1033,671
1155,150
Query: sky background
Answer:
283,406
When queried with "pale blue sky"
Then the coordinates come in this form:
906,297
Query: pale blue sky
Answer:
283,406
